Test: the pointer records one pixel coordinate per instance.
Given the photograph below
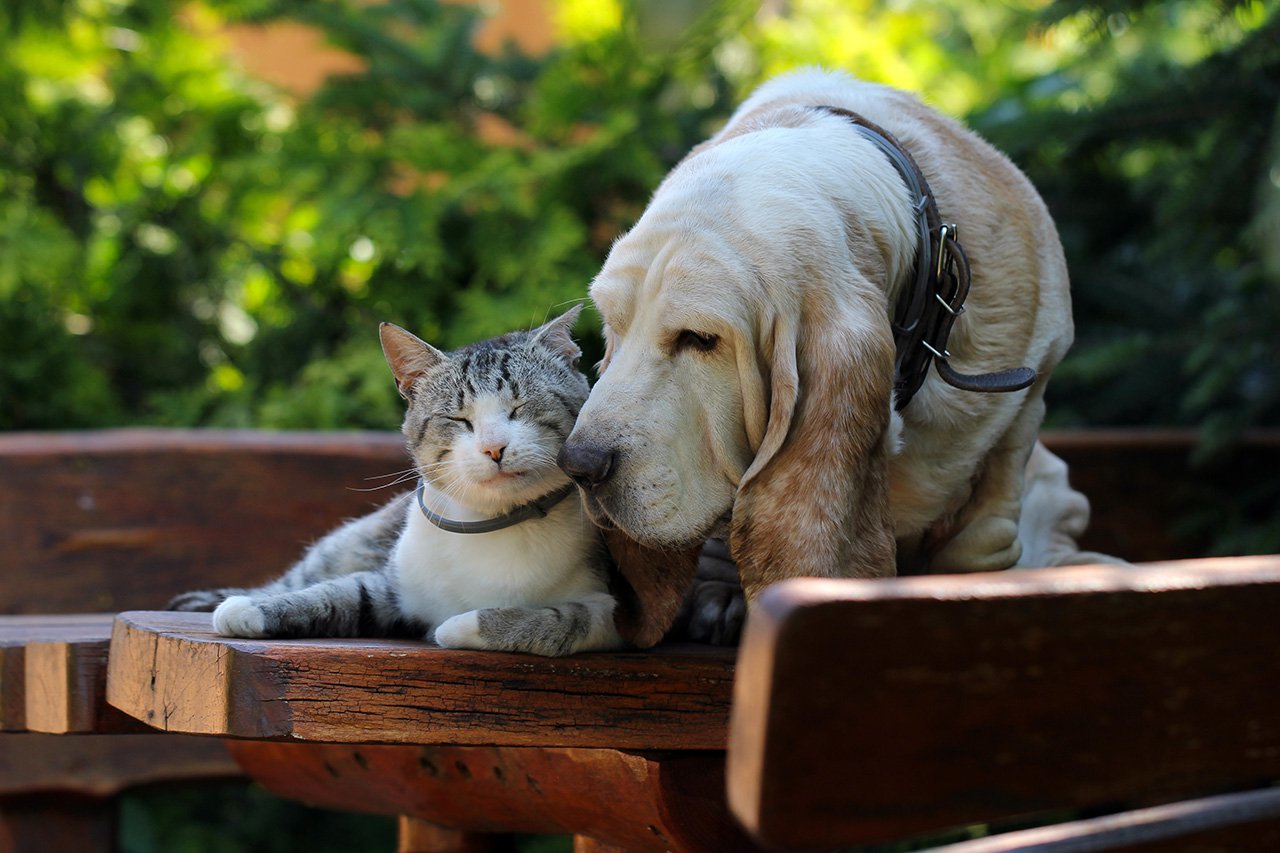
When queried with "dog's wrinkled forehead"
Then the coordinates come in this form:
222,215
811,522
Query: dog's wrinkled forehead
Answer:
667,276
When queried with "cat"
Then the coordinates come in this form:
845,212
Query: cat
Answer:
493,550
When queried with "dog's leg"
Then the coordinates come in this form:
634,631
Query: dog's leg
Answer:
983,535
1054,516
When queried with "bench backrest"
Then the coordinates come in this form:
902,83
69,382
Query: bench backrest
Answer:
108,521
125,519
874,710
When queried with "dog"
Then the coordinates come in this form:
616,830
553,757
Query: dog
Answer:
754,383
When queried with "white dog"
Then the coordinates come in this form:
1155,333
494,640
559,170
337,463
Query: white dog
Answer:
761,340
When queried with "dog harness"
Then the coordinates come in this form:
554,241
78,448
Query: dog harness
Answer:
928,308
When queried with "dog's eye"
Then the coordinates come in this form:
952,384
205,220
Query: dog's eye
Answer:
466,423
700,341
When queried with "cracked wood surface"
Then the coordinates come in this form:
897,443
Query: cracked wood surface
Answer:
967,699
171,671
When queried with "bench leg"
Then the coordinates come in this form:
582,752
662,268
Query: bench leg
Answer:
415,835
57,822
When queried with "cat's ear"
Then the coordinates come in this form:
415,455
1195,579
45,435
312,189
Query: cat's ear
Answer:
557,335
408,355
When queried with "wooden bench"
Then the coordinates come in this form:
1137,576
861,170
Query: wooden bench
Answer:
866,711
127,519
94,523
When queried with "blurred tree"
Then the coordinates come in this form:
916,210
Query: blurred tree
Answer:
180,244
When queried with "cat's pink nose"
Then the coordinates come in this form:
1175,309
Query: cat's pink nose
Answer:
494,451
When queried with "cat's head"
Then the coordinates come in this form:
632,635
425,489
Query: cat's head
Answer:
484,423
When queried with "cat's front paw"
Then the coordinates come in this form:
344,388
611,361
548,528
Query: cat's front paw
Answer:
199,600
461,632
238,616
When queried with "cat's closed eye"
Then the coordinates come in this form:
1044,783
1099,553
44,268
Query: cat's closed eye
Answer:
515,409
466,423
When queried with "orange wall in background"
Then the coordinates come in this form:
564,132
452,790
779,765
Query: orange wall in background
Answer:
296,58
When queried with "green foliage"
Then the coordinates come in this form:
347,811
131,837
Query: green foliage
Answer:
232,817
181,244
1164,183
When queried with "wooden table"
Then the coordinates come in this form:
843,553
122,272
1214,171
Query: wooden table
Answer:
617,749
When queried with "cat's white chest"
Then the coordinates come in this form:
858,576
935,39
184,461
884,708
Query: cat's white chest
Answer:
536,563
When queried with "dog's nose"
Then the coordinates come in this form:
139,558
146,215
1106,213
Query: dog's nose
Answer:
587,464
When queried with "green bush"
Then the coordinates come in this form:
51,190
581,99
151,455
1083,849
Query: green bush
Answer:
180,244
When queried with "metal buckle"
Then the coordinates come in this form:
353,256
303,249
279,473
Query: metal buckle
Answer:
944,257
944,355
954,312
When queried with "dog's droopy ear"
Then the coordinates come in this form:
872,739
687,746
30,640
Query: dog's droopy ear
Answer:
814,501
408,355
557,335
650,586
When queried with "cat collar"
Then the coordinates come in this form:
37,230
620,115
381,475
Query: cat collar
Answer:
534,509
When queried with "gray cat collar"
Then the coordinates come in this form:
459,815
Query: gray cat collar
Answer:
534,509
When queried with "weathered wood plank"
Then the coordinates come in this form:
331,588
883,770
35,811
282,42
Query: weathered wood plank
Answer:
638,801
129,518
66,686
99,766
868,710
121,519
17,636
171,671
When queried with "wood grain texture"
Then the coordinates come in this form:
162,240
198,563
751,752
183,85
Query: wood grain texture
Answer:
19,634
129,518
99,766
170,671
637,801
66,685
868,710
120,519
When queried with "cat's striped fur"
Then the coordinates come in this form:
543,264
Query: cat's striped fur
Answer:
483,426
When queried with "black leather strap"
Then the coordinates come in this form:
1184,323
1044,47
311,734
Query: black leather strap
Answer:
928,308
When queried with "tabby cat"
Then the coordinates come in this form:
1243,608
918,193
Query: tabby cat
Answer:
493,549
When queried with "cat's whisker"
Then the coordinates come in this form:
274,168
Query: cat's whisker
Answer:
404,476
392,474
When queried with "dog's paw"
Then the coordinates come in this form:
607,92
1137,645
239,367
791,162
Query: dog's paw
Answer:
461,632
200,600
238,616
714,608
715,611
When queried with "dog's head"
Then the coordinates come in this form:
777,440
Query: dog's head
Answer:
747,372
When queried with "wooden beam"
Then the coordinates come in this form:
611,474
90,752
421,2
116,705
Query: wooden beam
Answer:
870,710
1249,820
100,766
641,801
171,671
